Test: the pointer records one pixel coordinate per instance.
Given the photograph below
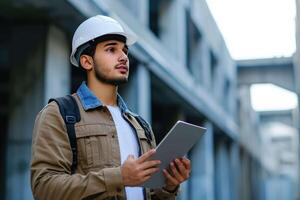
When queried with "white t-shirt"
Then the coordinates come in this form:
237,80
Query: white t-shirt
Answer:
128,146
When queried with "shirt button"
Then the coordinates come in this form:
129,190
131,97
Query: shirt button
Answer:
113,136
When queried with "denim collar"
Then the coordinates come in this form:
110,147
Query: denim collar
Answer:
90,101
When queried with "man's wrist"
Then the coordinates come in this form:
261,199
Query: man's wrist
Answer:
171,189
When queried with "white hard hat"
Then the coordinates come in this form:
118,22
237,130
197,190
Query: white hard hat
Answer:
95,27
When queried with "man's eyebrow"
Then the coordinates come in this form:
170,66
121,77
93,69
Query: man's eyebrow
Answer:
111,43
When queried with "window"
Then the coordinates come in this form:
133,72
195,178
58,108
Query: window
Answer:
157,10
213,66
193,42
226,94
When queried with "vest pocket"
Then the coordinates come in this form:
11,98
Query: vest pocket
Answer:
143,140
93,148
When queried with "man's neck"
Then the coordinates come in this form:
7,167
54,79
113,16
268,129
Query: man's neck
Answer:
107,93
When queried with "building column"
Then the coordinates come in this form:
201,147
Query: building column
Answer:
234,171
173,25
57,65
36,82
144,92
26,99
139,8
137,92
222,182
296,58
201,182
245,183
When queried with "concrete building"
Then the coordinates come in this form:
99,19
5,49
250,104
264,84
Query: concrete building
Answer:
180,69
277,132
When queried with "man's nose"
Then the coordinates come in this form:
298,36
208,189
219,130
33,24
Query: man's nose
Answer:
123,57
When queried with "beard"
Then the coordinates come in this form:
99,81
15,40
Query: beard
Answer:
103,78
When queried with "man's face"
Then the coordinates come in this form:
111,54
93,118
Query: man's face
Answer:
111,64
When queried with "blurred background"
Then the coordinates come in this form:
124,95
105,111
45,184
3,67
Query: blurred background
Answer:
232,66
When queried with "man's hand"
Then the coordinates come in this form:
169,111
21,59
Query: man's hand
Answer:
178,172
137,171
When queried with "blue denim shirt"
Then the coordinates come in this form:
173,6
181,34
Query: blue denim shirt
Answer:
90,101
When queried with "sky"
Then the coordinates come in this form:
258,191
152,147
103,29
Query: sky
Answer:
265,97
259,29
256,28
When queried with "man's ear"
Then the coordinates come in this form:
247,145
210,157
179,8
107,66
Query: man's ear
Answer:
86,62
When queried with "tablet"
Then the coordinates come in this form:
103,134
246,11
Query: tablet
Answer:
179,140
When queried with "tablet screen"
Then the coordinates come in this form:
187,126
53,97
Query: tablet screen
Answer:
179,140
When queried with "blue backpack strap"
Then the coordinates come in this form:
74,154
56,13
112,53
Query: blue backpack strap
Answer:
146,128
70,113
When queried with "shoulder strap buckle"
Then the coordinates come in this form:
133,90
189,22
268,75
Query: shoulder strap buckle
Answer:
70,119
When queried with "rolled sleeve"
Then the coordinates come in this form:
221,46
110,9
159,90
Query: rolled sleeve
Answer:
113,181
164,194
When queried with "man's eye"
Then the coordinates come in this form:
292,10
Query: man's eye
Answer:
110,50
125,51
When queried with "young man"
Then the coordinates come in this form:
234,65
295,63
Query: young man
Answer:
113,150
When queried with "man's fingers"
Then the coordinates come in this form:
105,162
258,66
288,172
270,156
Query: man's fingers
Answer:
150,171
145,178
175,172
150,164
182,168
130,157
186,162
146,156
170,179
